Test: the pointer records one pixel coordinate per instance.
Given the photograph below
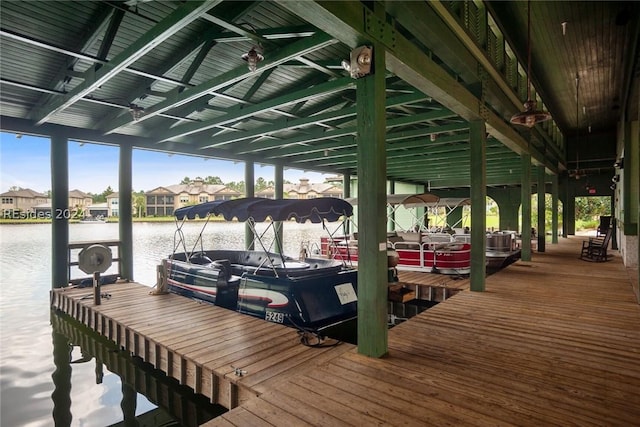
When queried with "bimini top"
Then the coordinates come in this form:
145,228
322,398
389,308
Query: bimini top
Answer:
259,209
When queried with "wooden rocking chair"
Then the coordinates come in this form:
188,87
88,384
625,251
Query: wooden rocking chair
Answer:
595,249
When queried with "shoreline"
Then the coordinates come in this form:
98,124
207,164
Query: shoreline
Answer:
108,221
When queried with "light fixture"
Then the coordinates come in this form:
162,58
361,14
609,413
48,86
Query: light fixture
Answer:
360,60
613,186
530,116
136,111
619,163
253,57
616,178
433,137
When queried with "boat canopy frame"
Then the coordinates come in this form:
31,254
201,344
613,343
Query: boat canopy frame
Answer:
253,210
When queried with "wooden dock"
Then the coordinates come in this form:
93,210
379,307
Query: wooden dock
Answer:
555,341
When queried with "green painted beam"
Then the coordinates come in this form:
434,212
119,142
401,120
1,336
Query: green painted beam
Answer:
330,87
300,47
304,149
173,23
346,21
324,118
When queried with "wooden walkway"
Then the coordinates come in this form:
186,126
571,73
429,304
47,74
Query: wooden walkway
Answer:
555,341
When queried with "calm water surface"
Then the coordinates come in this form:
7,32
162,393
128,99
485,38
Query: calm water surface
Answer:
26,334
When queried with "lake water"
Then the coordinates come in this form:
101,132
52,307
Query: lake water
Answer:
86,392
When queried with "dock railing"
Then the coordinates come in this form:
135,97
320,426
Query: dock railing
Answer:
74,249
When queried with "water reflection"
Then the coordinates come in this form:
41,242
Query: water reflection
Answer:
32,359
167,403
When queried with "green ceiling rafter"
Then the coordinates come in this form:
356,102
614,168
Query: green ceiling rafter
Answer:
321,118
300,47
104,21
329,87
345,21
303,146
173,23
306,151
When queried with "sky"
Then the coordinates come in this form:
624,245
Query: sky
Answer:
25,162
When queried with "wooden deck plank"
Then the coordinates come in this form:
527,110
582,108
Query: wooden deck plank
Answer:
553,341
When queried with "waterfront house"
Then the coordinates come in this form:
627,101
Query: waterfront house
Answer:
303,190
113,201
79,203
163,201
23,200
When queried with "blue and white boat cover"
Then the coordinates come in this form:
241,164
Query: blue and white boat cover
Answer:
259,209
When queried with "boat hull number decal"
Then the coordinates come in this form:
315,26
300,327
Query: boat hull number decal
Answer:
274,316
346,293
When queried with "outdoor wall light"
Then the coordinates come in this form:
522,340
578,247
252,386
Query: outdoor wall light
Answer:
616,178
613,186
359,64
253,57
619,163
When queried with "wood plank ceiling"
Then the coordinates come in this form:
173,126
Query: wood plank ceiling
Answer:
170,76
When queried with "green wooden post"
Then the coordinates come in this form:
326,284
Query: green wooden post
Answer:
391,213
614,226
554,209
525,201
125,220
346,193
541,209
478,152
60,212
250,188
279,194
372,238
570,209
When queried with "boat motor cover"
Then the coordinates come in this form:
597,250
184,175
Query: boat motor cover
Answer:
259,209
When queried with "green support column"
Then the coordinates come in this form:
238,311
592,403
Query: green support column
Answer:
614,226
279,194
508,201
60,212
541,209
346,186
372,238
391,213
125,220
250,187
570,209
478,146
346,193
554,209
525,201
